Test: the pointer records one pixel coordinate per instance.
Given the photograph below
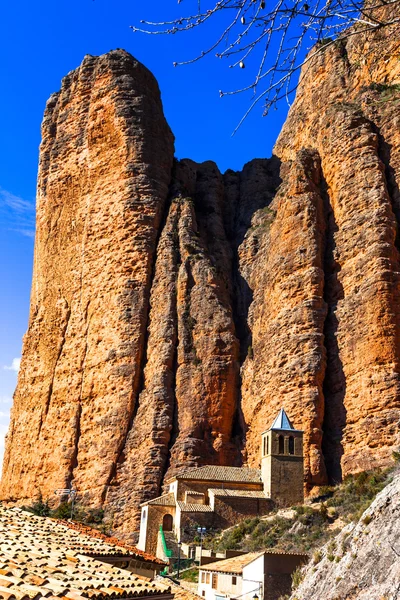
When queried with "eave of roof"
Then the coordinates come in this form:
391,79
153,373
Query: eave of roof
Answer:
129,551
194,507
232,565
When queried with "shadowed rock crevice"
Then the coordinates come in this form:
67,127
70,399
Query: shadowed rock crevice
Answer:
334,386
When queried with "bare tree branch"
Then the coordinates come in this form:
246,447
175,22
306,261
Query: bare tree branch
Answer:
274,37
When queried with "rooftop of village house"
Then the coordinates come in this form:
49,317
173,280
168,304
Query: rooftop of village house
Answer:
235,564
44,558
220,473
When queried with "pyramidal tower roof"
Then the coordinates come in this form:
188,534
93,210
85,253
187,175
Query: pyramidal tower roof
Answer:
282,421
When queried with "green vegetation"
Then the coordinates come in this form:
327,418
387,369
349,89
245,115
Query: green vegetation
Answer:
191,575
93,517
297,577
308,527
386,91
385,87
355,494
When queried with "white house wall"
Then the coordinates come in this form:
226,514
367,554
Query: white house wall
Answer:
143,529
224,588
253,579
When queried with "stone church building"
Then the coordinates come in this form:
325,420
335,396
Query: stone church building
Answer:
219,497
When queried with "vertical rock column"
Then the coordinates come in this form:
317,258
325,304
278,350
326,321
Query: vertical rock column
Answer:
105,167
189,395
363,328
286,361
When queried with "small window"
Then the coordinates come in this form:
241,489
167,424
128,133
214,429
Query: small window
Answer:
203,593
203,577
291,445
214,583
267,445
234,580
264,446
281,445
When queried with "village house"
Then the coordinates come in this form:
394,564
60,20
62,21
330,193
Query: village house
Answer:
253,576
220,496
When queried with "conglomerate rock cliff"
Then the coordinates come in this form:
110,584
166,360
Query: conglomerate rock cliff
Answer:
175,309
362,562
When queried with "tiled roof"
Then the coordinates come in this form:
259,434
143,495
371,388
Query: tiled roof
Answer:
282,422
194,507
113,546
217,473
236,564
232,565
165,500
43,558
238,493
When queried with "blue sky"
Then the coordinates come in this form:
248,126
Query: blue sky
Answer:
40,42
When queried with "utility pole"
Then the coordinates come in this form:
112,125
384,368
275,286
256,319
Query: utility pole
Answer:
201,531
179,558
68,492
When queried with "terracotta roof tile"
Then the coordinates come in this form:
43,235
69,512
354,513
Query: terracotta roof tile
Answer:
238,493
194,507
44,558
232,565
218,473
165,500
236,563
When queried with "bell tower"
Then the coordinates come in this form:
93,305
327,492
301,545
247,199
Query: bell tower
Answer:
282,468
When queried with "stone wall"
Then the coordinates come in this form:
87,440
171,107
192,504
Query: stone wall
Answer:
230,510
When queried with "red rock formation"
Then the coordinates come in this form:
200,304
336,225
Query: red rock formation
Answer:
175,310
105,166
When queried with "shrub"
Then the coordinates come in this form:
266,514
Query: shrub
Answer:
317,556
40,508
297,578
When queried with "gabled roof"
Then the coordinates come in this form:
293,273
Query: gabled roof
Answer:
232,565
282,422
218,473
165,500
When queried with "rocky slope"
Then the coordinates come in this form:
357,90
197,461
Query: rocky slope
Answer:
174,309
363,562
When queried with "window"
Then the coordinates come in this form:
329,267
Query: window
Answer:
203,577
203,593
291,445
267,445
264,446
281,445
208,578
214,583
234,579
